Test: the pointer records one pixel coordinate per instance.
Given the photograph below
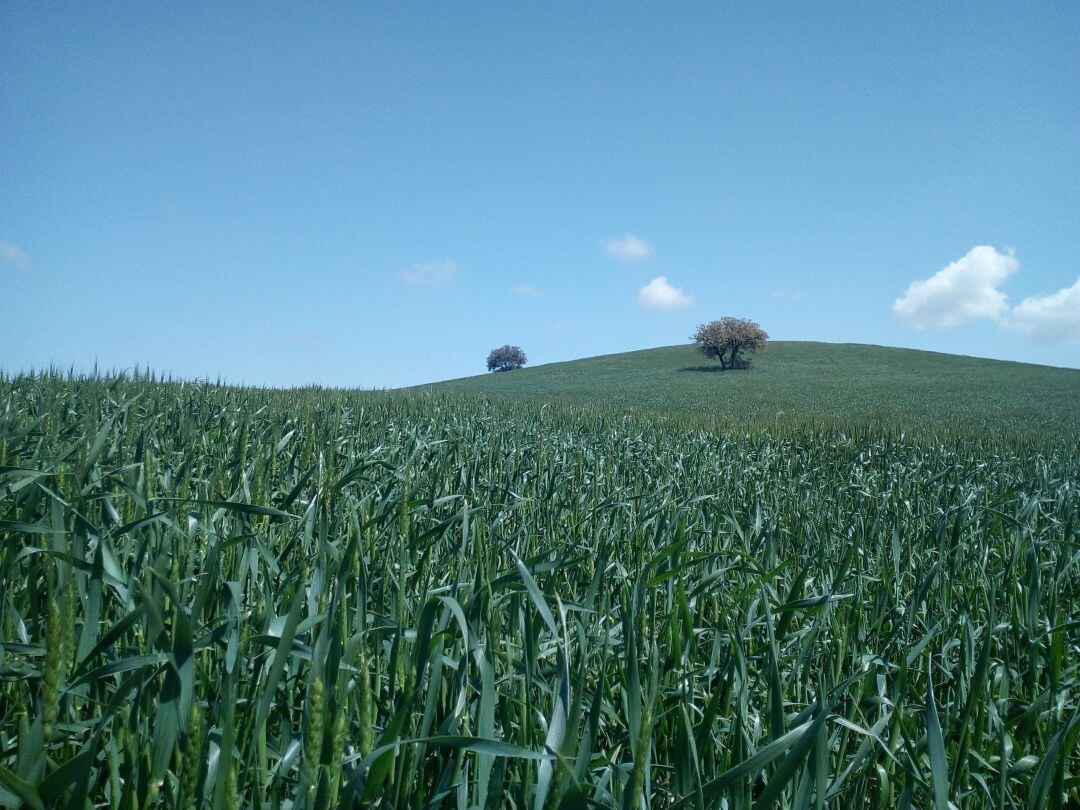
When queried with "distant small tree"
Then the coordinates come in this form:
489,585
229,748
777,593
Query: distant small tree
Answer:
506,358
728,339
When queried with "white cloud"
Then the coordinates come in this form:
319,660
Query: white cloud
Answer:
13,253
528,290
432,274
1049,318
659,294
786,295
964,291
628,248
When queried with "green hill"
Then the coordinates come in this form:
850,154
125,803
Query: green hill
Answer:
811,383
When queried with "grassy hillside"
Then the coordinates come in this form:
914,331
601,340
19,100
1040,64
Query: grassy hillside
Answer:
799,383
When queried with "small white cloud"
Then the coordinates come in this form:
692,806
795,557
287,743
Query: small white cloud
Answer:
1049,318
659,294
786,295
13,253
432,274
628,248
964,291
528,291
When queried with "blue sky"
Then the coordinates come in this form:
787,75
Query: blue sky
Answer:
378,194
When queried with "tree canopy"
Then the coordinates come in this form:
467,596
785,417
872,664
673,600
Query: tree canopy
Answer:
506,358
728,339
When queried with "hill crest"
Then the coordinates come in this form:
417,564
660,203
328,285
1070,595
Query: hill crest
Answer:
840,383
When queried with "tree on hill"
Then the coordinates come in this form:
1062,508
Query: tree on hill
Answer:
728,338
506,358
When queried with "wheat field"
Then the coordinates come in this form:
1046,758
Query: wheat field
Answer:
219,597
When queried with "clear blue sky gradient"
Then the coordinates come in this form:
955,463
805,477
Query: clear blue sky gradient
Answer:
233,189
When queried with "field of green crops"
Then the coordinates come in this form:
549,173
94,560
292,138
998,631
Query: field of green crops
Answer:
840,385
216,597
